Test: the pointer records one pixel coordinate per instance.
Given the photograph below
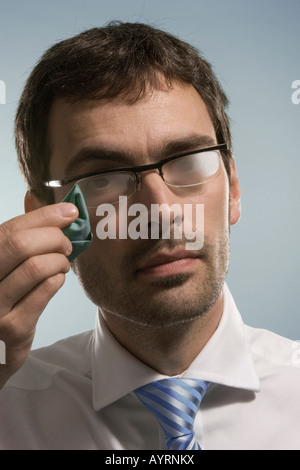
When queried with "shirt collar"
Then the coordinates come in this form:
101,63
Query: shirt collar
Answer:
226,359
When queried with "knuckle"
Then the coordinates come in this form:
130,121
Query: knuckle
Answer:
58,233
10,330
53,283
33,268
17,243
4,230
60,264
15,332
43,267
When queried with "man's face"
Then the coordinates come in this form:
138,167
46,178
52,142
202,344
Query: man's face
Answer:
139,279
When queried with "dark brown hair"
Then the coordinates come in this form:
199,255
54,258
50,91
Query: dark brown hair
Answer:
120,60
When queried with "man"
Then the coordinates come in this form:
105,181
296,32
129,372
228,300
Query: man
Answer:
128,110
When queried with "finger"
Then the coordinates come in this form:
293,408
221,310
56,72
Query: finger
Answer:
18,327
29,275
59,215
19,246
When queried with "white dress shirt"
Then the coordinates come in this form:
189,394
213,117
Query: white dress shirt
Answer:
78,393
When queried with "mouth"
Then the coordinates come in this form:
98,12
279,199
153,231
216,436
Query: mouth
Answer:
169,263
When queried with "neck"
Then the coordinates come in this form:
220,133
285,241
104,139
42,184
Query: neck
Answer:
171,349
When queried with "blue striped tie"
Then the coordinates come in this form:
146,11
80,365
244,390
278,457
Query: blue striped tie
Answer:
175,403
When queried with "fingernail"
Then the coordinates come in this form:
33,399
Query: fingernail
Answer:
69,247
67,209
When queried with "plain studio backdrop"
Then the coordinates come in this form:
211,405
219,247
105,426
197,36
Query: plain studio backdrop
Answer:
254,48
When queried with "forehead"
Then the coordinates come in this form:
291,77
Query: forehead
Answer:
136,129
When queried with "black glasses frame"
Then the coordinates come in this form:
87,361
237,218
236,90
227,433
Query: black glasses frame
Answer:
134,169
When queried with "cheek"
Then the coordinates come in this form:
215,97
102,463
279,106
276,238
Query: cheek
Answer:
107,252
216,206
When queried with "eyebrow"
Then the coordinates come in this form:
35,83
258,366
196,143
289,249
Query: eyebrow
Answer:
102,153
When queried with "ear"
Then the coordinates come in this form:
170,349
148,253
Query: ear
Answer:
31,202
235,196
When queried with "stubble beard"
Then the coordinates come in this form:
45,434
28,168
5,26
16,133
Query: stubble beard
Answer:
165,301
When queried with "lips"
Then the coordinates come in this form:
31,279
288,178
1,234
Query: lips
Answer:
169,262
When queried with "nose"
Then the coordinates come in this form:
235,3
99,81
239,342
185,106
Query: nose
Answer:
153,189
163,205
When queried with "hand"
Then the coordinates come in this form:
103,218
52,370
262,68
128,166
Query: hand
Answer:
33,265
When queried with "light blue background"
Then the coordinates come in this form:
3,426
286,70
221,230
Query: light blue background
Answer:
255,50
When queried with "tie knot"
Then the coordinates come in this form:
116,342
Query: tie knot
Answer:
175,403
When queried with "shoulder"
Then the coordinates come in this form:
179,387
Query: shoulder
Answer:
52,387
71,355
272,352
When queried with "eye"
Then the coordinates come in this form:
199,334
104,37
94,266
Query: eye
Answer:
192,169
101,182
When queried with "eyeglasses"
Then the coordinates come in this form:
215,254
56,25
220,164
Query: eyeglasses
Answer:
180,171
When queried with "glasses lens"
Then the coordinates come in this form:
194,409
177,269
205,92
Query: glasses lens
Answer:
192,169
106,188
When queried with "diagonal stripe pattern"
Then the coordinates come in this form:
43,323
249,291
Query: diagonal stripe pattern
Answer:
175,403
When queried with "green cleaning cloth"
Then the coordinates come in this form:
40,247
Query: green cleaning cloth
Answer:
79,232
